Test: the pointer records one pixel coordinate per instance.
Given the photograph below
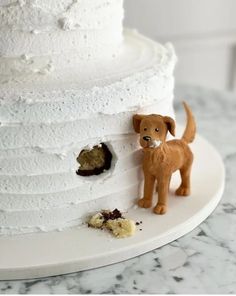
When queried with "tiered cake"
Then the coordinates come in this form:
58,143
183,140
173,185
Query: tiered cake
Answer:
71,79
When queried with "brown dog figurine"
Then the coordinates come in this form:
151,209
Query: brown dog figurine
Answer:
162,158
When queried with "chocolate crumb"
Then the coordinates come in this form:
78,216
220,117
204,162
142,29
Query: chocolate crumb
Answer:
115,214
137,223
140,229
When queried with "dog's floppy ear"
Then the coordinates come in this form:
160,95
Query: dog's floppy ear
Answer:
137,118
170,123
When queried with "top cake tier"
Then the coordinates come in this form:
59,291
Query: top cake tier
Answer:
32,28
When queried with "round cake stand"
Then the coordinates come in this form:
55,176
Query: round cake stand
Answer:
47,254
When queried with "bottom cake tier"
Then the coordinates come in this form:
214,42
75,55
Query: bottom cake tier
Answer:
42,138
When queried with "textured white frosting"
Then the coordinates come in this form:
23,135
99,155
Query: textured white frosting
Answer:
35,34
47,118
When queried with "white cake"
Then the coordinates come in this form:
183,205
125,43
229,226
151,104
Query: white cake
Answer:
71,78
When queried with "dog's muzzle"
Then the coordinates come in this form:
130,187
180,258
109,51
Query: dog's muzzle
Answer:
147,138
155,143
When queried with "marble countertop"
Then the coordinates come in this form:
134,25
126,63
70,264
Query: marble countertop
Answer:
203,261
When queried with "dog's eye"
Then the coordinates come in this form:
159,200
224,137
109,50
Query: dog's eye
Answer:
145,129
157,130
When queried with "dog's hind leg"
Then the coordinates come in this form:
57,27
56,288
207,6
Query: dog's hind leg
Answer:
184,188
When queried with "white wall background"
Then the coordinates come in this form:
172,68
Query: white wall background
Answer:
202,31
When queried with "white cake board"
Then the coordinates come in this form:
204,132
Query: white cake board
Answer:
47,254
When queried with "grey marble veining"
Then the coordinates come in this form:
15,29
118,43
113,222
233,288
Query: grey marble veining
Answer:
203,261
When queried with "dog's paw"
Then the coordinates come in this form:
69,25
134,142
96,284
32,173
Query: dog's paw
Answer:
182,191
145,203
160,209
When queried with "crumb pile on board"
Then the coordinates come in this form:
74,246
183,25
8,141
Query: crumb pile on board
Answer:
113,221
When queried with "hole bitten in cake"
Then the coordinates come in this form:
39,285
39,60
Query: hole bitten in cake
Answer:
94,161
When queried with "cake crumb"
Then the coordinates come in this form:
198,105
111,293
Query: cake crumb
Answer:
96,221
121,228
113,221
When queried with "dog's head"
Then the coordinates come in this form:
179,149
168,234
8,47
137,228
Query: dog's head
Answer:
153,129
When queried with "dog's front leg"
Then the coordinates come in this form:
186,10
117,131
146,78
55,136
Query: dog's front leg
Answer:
163,189
146,201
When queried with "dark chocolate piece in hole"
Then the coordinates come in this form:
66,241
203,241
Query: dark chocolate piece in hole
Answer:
95,161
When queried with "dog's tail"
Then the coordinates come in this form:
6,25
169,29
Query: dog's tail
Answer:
190,130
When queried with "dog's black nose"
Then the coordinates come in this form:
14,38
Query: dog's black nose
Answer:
147,138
